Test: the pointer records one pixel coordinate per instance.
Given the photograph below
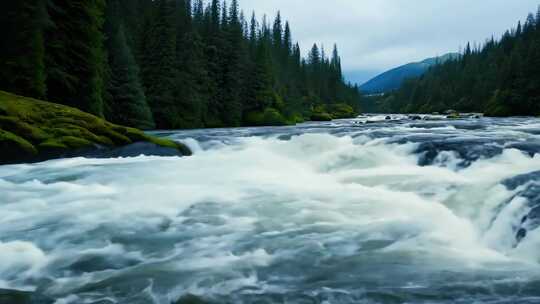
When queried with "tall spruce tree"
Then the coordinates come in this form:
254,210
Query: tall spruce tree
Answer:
75,56
128,104
234,55
159,66
191,70
22,24
192,64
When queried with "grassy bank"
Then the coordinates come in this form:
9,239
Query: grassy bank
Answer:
31,129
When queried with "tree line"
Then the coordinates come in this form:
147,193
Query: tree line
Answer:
500,78
168,63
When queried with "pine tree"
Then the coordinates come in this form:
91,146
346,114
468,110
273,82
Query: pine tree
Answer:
233,71
22,23
314,58
75,56
277,32
128,104
193,65
253,32
287,41
336,60
159,67
191,79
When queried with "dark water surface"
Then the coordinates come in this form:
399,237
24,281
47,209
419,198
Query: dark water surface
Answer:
391,211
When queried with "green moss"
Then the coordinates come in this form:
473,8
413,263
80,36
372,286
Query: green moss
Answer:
3,111
163,142
16,126
52,144
75,142
32,126
170,144
133,134
66,143
15,146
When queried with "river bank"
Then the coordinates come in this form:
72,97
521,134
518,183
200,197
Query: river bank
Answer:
33,130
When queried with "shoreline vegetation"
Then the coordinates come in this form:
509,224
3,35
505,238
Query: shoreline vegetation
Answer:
168,64
33,130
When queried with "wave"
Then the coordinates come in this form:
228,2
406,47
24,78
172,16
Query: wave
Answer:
342,215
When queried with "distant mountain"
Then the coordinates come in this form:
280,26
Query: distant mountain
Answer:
392,79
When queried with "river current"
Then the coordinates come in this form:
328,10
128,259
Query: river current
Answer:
390,211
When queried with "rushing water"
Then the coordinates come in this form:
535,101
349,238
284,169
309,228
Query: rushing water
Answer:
394,211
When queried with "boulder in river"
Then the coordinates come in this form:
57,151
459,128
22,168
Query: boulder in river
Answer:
528,188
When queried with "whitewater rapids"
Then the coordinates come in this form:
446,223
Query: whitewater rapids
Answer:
395,211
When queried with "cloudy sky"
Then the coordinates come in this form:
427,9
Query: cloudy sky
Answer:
376,35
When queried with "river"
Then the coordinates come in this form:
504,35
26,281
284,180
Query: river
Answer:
391,211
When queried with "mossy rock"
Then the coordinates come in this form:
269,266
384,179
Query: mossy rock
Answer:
33,128
20,127
15,147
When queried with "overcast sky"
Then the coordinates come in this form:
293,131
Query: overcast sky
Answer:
376,35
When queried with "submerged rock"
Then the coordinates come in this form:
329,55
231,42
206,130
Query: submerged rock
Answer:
467,151
33,130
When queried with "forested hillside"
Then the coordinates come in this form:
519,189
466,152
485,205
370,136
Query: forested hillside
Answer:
392,79
168,63
500,78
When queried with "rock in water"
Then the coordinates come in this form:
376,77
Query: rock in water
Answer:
531,192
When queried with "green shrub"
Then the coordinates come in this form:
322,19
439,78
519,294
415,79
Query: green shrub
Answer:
318,116
341,111
269,117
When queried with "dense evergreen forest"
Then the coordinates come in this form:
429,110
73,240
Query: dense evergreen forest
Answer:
168,63
499,78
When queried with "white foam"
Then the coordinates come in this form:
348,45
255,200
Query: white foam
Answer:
258,202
